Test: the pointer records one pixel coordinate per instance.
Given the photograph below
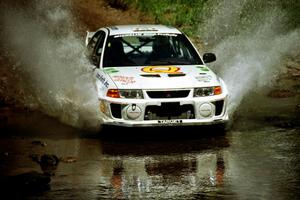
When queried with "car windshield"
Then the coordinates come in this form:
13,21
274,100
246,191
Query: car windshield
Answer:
141,50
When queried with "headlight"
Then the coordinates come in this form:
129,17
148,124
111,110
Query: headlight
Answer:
207,91
127,94
131,94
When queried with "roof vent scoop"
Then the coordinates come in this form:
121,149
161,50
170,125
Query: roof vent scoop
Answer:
176,75
150,75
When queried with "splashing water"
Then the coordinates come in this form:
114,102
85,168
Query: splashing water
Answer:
251,38
53,70
56,77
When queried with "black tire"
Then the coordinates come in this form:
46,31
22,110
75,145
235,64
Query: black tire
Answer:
221,128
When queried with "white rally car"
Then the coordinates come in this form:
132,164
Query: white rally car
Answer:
152,75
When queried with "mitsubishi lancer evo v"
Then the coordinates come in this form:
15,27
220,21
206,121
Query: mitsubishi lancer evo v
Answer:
152,75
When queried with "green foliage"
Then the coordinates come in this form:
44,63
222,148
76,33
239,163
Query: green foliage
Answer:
183,14
189,15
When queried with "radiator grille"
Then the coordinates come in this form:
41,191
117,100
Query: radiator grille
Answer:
168,94
169,111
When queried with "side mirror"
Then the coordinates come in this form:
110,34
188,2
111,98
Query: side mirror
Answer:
91,58
209,57
94,60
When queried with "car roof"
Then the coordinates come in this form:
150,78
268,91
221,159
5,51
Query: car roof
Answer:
142,28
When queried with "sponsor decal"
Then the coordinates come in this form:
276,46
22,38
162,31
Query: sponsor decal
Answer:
144,34
202,68
162,69
102,79
203,78
111,70
144,29
124,80
170,121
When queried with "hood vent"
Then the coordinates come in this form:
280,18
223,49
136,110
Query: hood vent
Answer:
150,75
175,75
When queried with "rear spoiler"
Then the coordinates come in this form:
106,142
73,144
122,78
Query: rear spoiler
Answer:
89,36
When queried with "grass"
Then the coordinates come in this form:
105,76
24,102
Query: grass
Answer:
183,14
188,15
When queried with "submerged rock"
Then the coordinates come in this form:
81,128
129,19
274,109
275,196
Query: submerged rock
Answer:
49,159
48,163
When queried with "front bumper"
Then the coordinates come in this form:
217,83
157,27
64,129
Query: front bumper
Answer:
150,123
164,112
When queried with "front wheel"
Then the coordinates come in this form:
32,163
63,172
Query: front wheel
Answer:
221,128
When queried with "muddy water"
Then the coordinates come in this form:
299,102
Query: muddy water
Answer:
253,160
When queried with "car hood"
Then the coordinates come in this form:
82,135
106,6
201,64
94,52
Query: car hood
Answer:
162,77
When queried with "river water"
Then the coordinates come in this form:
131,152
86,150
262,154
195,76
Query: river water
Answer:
255,159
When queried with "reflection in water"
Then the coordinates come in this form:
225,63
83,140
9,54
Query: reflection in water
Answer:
257,163
116,179
220,169
191,170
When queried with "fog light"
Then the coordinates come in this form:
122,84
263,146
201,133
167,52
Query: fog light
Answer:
133,111
102,107
205,110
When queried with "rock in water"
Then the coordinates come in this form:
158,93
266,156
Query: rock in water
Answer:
49,164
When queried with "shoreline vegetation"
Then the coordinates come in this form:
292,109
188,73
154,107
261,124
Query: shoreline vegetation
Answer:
191,15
